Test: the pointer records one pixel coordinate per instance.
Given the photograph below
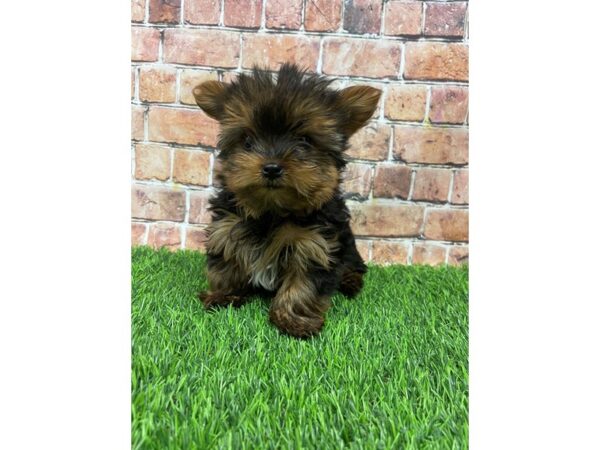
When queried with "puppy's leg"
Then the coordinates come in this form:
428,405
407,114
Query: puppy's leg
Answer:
227,279
228,285
351,283
297,308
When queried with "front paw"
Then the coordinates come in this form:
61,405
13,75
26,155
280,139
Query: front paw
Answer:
294,324
212,300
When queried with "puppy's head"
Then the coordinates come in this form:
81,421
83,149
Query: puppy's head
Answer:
282,138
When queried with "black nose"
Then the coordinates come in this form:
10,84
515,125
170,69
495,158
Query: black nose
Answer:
272,171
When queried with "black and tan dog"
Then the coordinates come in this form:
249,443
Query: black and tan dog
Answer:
279,222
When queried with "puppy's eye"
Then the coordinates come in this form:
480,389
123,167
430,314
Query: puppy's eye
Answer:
248,143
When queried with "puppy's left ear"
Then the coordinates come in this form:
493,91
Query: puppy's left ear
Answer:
359,103
209,96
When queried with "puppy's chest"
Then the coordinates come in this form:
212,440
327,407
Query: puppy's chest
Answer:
266,255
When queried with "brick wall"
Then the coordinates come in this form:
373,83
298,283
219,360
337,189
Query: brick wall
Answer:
407,181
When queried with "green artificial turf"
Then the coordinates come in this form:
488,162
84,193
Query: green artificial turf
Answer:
388,371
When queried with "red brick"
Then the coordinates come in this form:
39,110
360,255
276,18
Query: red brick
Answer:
323,15
362,16
361,57
284,14
181,126
458,255
357,180
445,19
157,84
144,44
272,50
363,249
460,191
202,12
386,220
449,104
133,70
138,233
403,18
202,47
164,235
191,78
195,238
431,145
436,61
164,11
370,142
191,167
406,102
243,13
199,212
138,10
432,185
385,252
447,225
152,162
392,181
137,122
157,203
429,254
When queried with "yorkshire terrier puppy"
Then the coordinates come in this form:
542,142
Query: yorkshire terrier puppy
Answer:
279,222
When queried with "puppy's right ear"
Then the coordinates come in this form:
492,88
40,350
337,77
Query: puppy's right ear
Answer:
209,96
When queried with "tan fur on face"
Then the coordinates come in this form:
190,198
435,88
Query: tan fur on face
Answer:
304,187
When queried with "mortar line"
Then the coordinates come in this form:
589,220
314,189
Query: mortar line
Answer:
340,77
423,13
136,84
413,176
263,16
390,154
341,34
146,124
382,25
178,86
384,95
133,152
302,16
211,166
402,61
172,158
426,119
160,45
449,200
241,57
146,233
186,218
320,57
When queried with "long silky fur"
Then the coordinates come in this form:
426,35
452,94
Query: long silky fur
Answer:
291,240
